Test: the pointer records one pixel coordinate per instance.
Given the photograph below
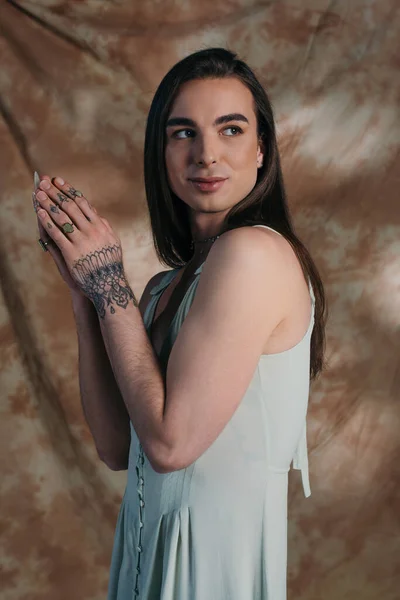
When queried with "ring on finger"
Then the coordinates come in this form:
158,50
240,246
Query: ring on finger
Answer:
68,227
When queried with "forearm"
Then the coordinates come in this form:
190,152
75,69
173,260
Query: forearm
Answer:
139,377
102,402
101,277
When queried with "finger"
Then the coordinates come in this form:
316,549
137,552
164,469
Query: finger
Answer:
43,235
42,232
55,234
67,188
57,216
61,209
40,179
51,247
36,203
71,192
106,224
64,192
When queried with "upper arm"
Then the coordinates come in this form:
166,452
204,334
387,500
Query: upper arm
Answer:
238,303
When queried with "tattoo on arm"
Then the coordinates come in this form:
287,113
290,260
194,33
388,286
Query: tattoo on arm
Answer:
102,278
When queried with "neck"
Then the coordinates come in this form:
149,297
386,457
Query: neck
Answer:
201,250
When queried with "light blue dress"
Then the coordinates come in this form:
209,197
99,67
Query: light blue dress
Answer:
217,530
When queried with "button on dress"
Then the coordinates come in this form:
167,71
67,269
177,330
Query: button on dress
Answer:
217,529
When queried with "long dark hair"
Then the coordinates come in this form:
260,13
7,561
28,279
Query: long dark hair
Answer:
266,203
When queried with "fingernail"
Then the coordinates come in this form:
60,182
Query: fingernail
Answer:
59,180
36,179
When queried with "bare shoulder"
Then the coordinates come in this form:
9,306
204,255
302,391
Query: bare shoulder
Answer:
294,293
274,246
278,263
145,297
272,239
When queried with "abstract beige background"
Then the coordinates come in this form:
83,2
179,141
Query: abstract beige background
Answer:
76,82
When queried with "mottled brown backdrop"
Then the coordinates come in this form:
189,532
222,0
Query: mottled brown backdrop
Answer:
76,81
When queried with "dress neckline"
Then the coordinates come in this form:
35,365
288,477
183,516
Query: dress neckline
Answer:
158,289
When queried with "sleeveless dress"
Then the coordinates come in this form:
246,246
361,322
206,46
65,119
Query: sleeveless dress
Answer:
217,530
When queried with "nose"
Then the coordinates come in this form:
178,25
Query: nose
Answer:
204,151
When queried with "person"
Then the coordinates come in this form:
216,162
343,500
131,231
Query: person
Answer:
236,326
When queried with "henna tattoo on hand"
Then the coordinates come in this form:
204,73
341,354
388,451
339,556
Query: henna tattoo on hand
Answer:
102,279
54,208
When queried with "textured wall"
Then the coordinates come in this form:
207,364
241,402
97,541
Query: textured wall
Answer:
76,81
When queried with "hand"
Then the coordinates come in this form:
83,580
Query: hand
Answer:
55,251
89,254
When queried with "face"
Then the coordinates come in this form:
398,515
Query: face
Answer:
212,132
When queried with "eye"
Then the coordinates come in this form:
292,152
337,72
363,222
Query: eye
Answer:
179,137
239,129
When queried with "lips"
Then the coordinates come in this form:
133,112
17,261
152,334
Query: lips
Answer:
208,179
209,185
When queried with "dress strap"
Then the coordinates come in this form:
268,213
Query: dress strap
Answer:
200,268
165,280
300,460
154,293
267,227
310,287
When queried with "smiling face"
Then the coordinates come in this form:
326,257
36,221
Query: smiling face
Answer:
212,132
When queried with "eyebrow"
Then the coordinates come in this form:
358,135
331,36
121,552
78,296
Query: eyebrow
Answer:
190,123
